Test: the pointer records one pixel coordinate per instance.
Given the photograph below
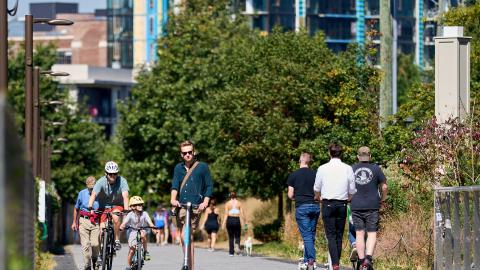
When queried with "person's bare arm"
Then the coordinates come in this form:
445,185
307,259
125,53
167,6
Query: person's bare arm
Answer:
383,191
91,200
124,223
225,216
318,196
204,204
75,219
173,198
125,200
291,193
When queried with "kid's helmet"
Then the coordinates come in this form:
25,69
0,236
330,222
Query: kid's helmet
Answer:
136,200
111,167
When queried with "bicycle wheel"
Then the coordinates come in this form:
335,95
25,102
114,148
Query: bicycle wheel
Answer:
105,249
111,249
139,257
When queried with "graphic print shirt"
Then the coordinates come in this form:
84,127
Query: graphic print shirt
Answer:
367,178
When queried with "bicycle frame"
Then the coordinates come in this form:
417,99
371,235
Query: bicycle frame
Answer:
187,243
107,249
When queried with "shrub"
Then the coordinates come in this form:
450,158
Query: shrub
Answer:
268,232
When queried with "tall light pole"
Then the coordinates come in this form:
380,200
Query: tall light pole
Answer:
29,106
37,130
385,61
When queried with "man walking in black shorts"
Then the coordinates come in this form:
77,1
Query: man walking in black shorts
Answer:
365,205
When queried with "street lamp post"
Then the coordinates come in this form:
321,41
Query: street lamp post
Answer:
29,89
3,47
37,130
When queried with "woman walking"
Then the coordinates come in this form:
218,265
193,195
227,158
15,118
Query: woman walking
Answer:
211,224
160,218
233,213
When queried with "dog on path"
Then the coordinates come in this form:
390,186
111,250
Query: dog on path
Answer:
248,246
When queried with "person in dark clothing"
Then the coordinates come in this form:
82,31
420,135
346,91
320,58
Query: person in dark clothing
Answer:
334,186
211,224
369,180
231,221
300,189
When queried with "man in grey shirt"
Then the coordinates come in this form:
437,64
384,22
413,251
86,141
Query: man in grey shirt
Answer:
112,192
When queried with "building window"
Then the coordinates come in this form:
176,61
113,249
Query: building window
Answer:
64,57
151,26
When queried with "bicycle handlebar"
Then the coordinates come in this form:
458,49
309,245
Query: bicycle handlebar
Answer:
141,228
186,205
114,213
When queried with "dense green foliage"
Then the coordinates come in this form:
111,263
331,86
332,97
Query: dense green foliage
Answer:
287,92
81,153
468,18
250,102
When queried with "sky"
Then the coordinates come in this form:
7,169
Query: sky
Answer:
84,5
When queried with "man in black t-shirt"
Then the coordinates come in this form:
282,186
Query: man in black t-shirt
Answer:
365,205
300,188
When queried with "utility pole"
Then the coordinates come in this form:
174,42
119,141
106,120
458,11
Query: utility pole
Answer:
29,86
386,100
3,47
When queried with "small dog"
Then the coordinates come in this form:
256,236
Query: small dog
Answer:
248,246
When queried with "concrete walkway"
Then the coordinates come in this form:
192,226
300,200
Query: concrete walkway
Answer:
170,257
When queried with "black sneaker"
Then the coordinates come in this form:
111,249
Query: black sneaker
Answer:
99,262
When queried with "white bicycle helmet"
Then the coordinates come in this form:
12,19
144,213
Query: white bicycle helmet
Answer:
111,167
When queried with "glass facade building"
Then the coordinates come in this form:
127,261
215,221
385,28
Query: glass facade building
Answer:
120,33
349,21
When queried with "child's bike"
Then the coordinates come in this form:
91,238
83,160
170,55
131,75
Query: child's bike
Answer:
138,259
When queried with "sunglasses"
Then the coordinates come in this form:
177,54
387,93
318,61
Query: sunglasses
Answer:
135,205
187,153
112,174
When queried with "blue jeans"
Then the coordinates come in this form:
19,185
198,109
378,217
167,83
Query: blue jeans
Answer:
307,218
352,234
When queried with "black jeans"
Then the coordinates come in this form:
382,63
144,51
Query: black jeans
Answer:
233,229
334,214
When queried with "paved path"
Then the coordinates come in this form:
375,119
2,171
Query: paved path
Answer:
170,257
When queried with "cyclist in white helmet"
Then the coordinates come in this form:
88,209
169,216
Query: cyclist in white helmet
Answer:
111,192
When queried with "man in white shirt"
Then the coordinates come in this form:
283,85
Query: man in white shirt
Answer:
334,187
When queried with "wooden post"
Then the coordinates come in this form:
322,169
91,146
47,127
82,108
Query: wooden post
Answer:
457,256
467,232
476,230
448,244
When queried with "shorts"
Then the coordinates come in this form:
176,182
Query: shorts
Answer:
366,220
116,208
132,238
210,230
182,213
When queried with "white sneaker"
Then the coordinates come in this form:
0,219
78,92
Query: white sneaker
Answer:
302,266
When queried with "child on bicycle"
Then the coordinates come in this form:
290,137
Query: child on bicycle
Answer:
137,218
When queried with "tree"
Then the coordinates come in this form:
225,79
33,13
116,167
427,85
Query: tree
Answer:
467,16
286,93
168,102
80,154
